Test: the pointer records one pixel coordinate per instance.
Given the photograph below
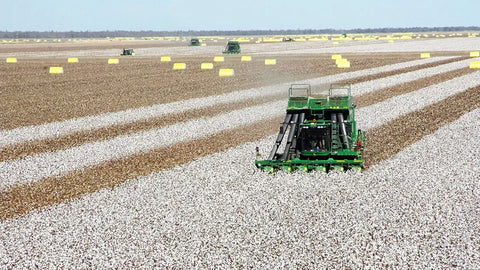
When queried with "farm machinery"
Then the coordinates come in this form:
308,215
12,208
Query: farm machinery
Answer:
194,42
232,47
317,133
127,52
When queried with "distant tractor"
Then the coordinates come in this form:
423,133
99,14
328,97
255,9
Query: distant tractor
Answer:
232,47
288,39
194,42
127,52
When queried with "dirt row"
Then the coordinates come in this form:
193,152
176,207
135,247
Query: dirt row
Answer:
79,138
386,140
86,45
102,44
31,96
404,70
75,139
403,88
383,142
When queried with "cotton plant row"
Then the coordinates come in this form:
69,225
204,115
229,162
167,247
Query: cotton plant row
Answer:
55,129
33,168
220,211
370,86
431,45
379,113
36,167
449,44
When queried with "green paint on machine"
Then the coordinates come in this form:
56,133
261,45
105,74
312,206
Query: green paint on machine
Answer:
318,134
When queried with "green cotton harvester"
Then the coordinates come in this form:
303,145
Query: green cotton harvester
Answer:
232,47
127,52
317,134
194,42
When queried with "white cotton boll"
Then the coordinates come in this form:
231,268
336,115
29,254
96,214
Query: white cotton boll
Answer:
416,209
55,129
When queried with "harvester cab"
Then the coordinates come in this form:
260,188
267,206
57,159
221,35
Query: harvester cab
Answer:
194,42
232,47
127,52
317,133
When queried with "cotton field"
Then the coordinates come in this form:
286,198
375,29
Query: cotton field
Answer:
138,165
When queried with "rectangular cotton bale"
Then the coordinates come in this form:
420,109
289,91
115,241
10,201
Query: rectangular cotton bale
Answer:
72,60
11,60
341,60
226,72
270,62
56,70
218,59
113,61
345,64
474,54
246,58
165,59
206,66
336,56
179,66
424,55
475,64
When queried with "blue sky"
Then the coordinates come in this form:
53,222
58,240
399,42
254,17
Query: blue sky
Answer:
169,15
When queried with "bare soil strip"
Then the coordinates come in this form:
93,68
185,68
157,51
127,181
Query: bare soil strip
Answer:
69,126
87,45
37,167
403,70
21,199
75,139
390,138
383,142
92,87
79,138
403,88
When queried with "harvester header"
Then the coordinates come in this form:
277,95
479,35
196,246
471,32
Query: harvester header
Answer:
317,133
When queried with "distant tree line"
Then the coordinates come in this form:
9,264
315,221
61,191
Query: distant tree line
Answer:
121,33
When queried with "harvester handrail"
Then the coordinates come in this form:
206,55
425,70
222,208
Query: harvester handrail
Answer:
335,87
293,87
